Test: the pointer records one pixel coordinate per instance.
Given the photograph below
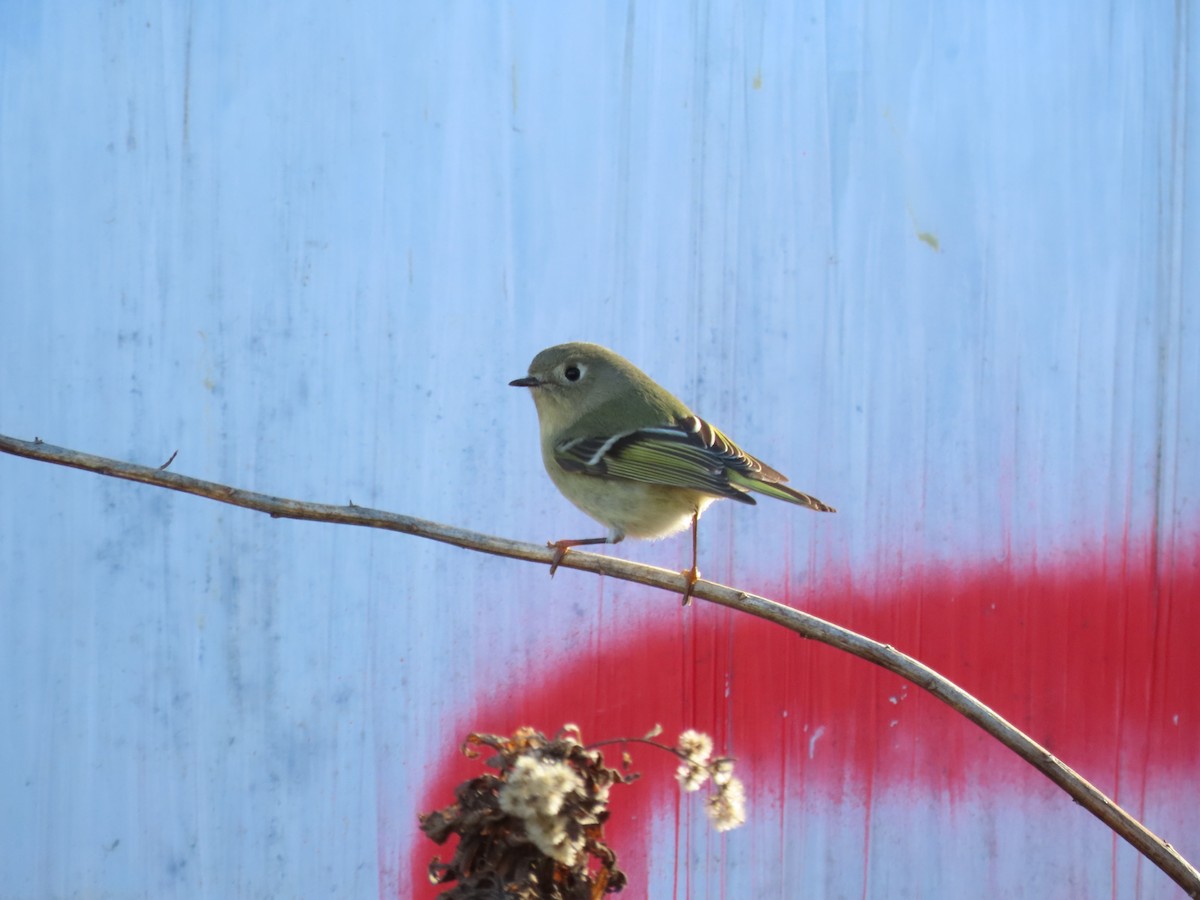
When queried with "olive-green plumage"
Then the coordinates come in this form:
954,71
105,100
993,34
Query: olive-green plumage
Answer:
631,455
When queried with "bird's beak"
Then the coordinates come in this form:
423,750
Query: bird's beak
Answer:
527,381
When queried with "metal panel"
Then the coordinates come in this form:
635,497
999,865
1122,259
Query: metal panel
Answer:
935,262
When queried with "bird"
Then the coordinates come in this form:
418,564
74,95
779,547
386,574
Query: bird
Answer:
632,456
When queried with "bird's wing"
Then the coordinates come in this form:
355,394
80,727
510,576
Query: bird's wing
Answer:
688,454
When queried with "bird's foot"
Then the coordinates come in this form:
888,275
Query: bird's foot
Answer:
560,550
561,547
692,575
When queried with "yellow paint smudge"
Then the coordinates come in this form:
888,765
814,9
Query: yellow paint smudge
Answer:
925,237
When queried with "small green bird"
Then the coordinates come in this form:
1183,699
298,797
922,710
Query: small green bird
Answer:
631,455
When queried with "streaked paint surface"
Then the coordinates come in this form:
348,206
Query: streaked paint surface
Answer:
936,264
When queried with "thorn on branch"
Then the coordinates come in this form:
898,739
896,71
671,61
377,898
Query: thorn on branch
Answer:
169,461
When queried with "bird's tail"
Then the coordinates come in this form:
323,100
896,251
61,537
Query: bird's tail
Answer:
779,492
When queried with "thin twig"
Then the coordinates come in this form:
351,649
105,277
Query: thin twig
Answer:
608,742
1083,792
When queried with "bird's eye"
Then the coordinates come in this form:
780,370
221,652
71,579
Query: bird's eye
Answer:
572,373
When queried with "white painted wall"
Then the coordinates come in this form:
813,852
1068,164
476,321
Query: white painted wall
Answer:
934,261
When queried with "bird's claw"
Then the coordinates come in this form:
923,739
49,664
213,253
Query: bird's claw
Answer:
560,550
692,575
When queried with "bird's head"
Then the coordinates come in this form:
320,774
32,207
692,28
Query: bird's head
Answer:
570,381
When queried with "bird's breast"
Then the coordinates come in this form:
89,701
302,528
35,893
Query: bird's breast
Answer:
633,508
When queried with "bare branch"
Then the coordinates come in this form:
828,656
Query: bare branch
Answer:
1083,792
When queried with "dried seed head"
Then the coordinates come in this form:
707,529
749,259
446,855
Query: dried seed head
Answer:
727,807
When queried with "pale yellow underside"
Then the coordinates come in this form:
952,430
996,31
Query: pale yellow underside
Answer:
630,508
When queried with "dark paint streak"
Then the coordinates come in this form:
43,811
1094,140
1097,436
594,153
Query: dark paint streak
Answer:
187,80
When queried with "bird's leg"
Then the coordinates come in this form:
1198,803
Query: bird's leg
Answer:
693,574
561,547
